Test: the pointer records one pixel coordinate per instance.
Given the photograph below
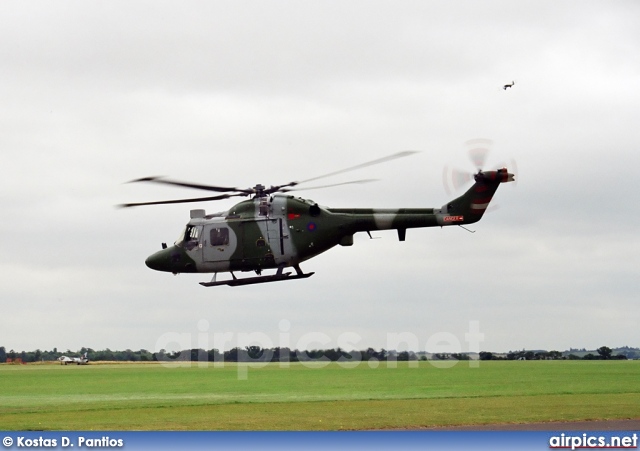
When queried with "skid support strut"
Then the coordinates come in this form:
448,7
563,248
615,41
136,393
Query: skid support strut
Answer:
279,275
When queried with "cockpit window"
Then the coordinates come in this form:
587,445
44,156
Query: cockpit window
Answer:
192,232
180,239
189,237
219,236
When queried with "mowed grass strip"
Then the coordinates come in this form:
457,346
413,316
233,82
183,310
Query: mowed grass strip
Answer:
332,397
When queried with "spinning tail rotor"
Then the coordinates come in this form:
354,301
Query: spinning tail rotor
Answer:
475,201
454,179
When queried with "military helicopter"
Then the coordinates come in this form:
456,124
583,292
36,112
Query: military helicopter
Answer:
277,230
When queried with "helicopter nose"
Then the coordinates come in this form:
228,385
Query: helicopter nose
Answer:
160,261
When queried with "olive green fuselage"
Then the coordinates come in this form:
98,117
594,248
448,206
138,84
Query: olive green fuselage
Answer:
280,231
284,232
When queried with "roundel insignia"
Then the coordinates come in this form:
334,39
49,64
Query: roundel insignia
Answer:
311,227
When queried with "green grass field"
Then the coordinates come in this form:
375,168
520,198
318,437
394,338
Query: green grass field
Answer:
156,397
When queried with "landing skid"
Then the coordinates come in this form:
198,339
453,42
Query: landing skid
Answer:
259,279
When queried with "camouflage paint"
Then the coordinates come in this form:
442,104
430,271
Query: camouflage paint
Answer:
283,230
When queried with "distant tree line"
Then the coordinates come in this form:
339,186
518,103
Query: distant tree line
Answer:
602,353
39,355
246,354
258,354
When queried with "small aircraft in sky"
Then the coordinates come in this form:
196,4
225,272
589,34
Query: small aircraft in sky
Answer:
83,360
276,230
509,85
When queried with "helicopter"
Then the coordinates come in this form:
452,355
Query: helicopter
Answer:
277,230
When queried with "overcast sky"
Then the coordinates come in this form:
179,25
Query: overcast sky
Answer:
93,94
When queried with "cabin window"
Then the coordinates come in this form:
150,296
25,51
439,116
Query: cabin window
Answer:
219,236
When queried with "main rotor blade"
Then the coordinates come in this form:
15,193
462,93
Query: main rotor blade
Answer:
286,190
395,156
180,201
219,189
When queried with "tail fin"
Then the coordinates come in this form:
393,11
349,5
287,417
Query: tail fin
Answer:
470,207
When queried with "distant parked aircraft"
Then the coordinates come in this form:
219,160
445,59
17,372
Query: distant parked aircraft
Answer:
64,360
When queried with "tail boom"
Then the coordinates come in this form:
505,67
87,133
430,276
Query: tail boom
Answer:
466,209
470,207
